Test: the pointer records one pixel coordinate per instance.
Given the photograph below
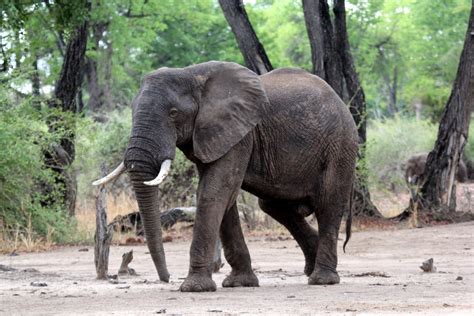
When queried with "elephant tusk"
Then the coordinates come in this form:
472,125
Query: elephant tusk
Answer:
164,170
114,174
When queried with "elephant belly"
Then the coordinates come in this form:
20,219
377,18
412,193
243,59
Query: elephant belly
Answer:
272,189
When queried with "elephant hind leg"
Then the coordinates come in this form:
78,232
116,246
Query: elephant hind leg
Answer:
290,216
330,207
236,251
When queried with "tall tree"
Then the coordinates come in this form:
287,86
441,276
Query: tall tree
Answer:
438,191
65,92
254,54
332,61
324,54
95,90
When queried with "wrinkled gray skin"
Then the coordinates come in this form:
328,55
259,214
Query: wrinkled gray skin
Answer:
285,137
415,167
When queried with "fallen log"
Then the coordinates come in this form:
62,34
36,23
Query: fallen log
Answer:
132,222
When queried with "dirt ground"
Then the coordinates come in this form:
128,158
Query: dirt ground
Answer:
394,257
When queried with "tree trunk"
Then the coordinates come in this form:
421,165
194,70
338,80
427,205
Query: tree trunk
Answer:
5,58
93,88
392,104
65,92
107,87
80,100
103,232
438,190
254,54
355,92
324,55
96,90
332,61
36,85
391,83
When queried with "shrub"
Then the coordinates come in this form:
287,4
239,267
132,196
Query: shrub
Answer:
390,143
98,143
24,139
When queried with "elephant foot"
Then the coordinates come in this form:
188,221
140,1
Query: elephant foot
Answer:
247,279
198,283
322,276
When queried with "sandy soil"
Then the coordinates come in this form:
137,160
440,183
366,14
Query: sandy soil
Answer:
72,289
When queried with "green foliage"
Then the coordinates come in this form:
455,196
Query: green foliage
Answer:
421,39
98,143
390,143
288,46
25,182
195,33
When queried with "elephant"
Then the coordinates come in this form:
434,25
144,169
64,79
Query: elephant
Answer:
284,136
415,166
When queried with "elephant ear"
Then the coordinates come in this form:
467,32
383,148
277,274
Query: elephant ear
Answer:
232,103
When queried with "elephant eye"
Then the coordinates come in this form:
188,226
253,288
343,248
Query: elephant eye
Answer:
173,112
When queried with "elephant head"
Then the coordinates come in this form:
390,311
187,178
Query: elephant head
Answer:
203,109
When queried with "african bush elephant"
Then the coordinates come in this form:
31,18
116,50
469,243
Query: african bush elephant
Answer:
285,137
415,167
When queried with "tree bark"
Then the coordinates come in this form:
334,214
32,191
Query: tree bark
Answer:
107,87
392,104
438,190
93,88
103,233
252,50
65,92
36,85
324,54
391,82
97,91
5,58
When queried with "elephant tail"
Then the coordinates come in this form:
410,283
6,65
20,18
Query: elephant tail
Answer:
349,221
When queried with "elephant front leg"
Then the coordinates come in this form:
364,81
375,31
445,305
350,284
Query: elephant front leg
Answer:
219,185
208,218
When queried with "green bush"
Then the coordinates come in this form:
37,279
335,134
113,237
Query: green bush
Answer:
24,139
390,143
98,143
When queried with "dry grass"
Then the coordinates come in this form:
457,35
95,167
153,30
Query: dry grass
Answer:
465,197
120,204
25,240
258,224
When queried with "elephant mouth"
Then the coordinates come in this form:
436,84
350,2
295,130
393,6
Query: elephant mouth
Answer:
164,171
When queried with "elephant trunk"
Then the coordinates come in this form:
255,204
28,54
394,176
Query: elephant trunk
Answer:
147,198
148,149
